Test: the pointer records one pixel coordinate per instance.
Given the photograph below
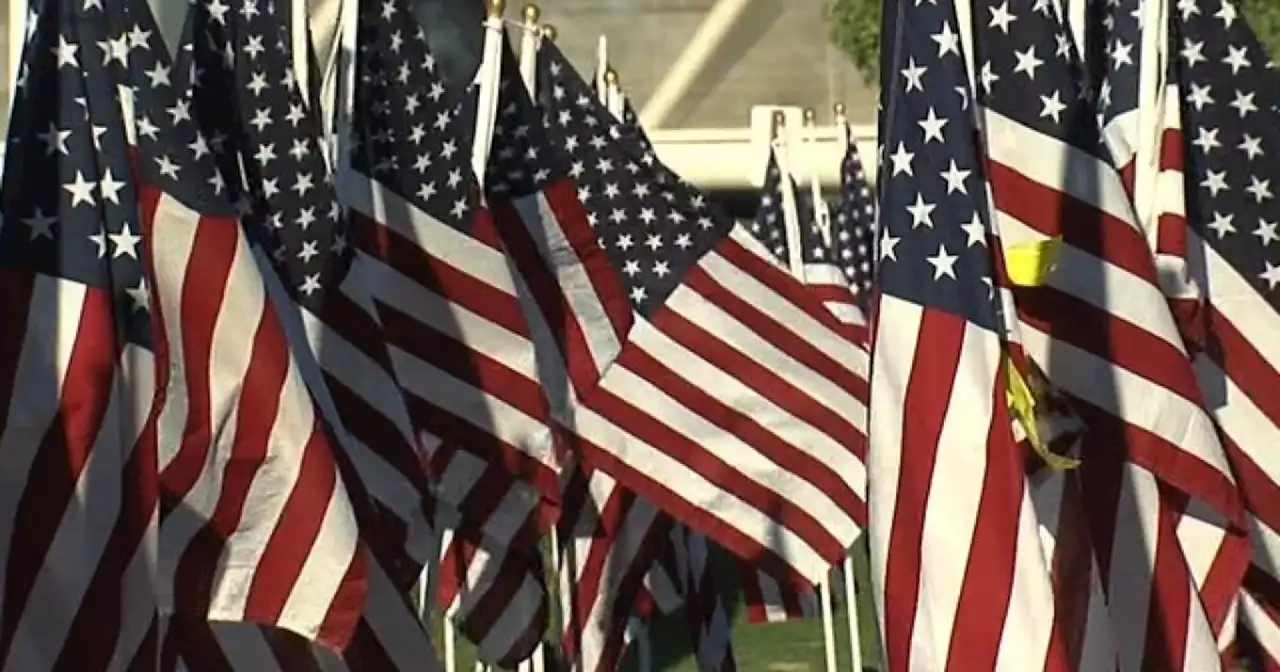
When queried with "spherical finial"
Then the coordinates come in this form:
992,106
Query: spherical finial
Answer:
839,108
494,8
810,117
549,32
779,119
611,77
532,14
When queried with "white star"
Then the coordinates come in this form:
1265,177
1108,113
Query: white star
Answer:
921,212
1271,275
66,53
309,250
1222,224
141,295
310,284
1226,12
1192,53
1243,103
303,184
1238,59
41,225
888,246
125,243
115,50
1259,189
138,38
901,160
81,190
948,42
109,187
912,73
1215,182
100,240
1266,232
932,126
159,76
1001,17
1053,107
55,140
1251,146
167,168
1121,55
955,178
976,231
1027,62
218,11
1200,96
943,263
1206,139
988,77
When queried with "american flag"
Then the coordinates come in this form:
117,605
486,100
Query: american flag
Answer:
1228,90
649,278
1103,331
289,209
821,270
958,572
222,403
447,299
855,225
78,509
1143,131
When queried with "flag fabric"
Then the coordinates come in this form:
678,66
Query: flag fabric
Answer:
854,225
1142,130
1103,332
821,270
958,573
461,349
706,614
81,370
221,552
1228,99
444,292
639,274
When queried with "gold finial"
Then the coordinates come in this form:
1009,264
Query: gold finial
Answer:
532,14
779,119
611,77
549,32
495,8
839,108
810,117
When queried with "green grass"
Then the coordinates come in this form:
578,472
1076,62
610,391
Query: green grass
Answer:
794,646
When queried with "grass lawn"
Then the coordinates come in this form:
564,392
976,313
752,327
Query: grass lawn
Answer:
794,646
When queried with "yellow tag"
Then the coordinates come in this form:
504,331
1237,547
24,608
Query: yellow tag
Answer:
1029,264
1022,403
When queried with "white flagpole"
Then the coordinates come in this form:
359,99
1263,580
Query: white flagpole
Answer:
529,43
602,66
790,214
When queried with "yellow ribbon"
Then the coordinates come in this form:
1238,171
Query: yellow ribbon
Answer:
1029,265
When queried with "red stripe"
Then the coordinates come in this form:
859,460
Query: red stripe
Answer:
928,394
61,455
1171,586
1080,224
987,590
413,261
1147,356
212,254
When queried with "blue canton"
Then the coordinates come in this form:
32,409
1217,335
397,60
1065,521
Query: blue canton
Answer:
934,246
411,133
854,225
1229,90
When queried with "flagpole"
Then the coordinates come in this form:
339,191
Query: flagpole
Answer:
790,216
529,39
602,65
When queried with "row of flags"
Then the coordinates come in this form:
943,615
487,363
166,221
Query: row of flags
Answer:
258,376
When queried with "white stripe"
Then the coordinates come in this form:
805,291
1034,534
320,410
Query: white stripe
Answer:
898,320
52,330
679,479
87,523
1133,398
1102,284
451,246
1231,295
1265,629
1058,165
955,492
730,448
571,275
